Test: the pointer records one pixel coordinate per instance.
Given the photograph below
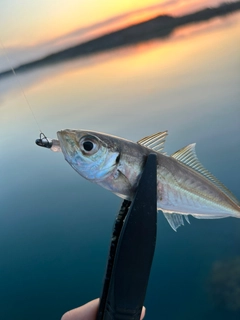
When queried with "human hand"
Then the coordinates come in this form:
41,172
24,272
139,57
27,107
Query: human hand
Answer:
88,312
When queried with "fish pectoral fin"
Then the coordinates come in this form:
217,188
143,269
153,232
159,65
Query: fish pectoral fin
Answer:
175,220
155,141
123,179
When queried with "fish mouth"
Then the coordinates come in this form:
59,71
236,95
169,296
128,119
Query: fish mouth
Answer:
62,140
64,136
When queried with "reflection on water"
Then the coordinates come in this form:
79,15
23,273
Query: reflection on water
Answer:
55,226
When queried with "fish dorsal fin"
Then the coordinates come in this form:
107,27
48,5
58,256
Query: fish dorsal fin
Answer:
155,141
175,220
187,155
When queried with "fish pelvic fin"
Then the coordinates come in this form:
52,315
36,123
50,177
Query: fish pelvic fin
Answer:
188,156
155,141
175,220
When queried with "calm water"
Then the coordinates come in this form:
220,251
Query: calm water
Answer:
55,227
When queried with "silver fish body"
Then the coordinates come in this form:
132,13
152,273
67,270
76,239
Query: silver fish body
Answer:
184,186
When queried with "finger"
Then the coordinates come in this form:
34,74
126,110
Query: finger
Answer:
143,313
86,312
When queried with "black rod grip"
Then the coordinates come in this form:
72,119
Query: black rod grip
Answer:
135,250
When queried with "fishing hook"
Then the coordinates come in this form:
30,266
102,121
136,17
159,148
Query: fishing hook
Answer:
43,141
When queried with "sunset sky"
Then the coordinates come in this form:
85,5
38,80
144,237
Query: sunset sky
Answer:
27,23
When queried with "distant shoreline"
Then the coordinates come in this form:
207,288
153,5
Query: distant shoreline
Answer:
160,27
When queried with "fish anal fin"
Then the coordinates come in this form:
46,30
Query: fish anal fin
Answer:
155,141
175,220
186,218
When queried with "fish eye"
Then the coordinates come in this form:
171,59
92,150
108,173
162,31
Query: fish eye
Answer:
89,145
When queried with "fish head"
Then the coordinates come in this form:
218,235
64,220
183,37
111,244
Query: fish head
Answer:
92,155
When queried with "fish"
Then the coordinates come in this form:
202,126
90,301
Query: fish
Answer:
184,187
